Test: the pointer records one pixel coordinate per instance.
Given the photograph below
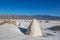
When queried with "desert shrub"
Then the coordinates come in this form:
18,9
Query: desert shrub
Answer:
46,21
1,23
56,27
7,21
40,21
13,22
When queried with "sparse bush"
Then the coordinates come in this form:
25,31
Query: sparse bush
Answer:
56,27
40,21
1,23
7,21
46,21
13,22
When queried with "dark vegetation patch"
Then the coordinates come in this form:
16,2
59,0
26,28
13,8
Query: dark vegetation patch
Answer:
55,27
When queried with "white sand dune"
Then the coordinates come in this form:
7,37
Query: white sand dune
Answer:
8,32
11,32
34,29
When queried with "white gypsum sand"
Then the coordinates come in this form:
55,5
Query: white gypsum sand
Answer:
12,32
34,29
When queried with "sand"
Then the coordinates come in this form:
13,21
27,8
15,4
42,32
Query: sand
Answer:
34,29
12,32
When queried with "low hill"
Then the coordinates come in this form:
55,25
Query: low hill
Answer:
40,17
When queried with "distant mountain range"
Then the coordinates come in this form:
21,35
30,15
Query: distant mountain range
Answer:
40,17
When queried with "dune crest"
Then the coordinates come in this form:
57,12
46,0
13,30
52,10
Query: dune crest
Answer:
34,29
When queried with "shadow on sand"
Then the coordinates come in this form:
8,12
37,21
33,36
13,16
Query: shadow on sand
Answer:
23,30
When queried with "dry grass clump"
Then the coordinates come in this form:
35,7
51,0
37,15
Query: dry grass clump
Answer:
40,21
1,23
13,22
8,21
57,27
46,21
5,21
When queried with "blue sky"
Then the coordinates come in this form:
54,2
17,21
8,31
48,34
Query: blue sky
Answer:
30,7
